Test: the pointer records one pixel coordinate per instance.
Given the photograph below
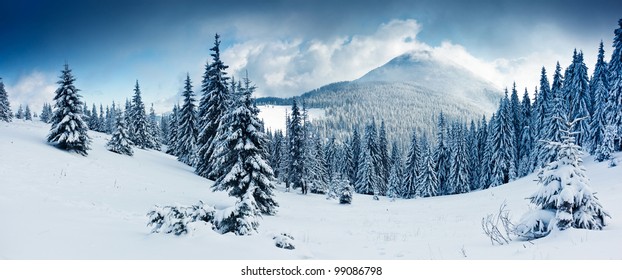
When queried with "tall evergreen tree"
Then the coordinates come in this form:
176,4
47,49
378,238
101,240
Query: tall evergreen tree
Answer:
427,184
296,148
68,131
20,112
27,113
93,119
396,174
120,142
526,139
599,88
411,170
173,140
5,106
441,156
355,148
187,130
502,147
46,113
140,126
154,130
541,108
577,92
459,180
554,120
212,107
484,155
383,153
615,86
246,173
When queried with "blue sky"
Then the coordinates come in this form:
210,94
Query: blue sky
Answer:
288,47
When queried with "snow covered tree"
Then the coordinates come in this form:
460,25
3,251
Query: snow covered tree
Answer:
187,122
93,119
411,170
46,113
276,152
369,180
577,93
441,156
502,147
173,140
394,187
139,129
213,105
5,107
459,180
526,139
541,107
346,192
296,148
154,130
564,193
383,154
615,86
246,174
606,148
120,142
554,121
599,90
27,113
68,131
427,184
355,149
20,112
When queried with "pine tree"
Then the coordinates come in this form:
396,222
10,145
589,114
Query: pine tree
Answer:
599,90
396,174
296,141
187,132
441,157
246,174
526,139
554,120
68,131
427,184
565,187
20,112
605,149
93,119
411,171
46,113
173,140
27,113
502,147
212,107
516,118
276,152
383,153
102,119
542,106
473,156
154,130
615,86
5,107
369,180
484,155
140,127
355,148
346,191
120,142
459,180
577,93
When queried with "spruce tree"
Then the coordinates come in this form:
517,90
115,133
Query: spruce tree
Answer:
187,122
441,156
542,106
212,107
46,113
615,86
502,147
565,187
355,148
396,173
5,107
20,112
68,130
459,180
599,88
296,141
411,170
140,126
577,93
120,142
27,113
427,184
246,173
154,130
173,140
93,119
383,153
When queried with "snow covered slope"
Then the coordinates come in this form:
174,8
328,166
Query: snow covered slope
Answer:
59,205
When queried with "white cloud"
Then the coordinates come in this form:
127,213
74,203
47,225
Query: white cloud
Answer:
291,67
33,90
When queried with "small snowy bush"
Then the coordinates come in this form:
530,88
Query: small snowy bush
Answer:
284,241
175,219
346,191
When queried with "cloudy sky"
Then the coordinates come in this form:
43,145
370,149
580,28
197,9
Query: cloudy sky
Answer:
288,47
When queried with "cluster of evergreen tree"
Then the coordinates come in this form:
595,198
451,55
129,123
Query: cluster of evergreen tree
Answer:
464,157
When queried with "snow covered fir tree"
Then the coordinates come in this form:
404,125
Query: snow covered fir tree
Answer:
68,131
120,142
565,198
6,114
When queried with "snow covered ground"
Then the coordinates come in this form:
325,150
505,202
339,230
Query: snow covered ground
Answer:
60,205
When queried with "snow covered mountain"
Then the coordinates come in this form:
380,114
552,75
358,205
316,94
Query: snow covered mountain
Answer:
407,92
60,205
